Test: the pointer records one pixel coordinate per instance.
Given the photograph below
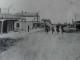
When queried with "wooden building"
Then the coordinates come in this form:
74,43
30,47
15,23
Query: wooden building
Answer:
7,22
17,22
26,20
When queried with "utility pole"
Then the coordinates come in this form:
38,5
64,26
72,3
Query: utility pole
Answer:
10,7
0,10
75,17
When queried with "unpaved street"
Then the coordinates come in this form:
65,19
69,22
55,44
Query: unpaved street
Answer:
45,46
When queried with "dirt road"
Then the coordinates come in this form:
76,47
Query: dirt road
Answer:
45,46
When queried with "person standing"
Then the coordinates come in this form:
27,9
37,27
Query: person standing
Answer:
46,28
52,29
57,28
28,28
61,32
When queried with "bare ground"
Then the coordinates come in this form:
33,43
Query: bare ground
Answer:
45,46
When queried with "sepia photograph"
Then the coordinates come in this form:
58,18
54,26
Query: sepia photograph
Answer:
39,29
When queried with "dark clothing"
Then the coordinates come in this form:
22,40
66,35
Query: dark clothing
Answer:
47,28
57,28
28,28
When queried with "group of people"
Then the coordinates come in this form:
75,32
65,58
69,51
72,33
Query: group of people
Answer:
57,28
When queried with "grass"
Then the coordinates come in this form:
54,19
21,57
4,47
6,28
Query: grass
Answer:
6,43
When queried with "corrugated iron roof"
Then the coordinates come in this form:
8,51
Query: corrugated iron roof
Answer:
9,16
17,15
27,14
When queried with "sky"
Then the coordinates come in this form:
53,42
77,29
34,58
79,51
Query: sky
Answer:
56,10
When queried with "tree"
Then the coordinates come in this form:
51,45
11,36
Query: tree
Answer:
46,21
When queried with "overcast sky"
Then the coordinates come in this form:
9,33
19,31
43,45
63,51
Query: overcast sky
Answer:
56,10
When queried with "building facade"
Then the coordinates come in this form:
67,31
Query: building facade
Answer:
17,22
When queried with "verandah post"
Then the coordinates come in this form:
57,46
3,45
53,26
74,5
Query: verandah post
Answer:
2,26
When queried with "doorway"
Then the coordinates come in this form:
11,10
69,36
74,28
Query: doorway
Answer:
5,27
